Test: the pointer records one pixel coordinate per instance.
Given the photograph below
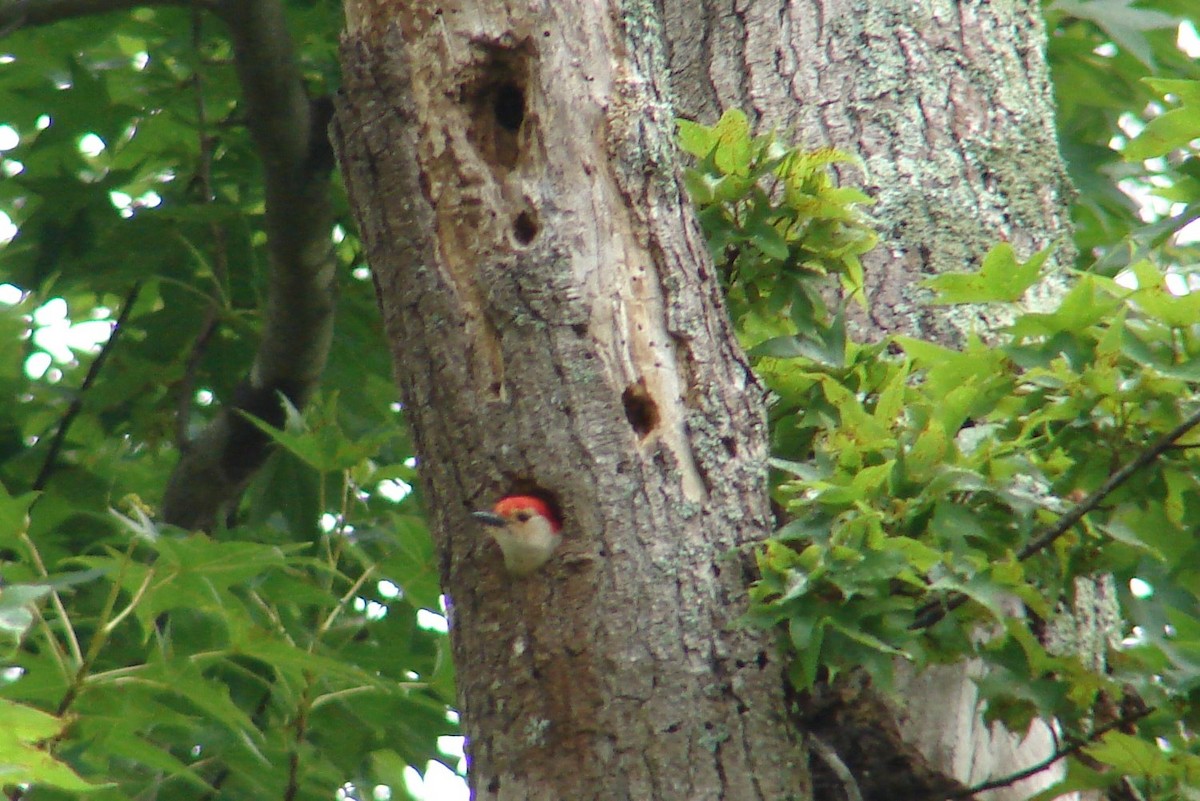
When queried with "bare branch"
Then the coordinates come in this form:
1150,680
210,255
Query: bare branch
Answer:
835,764
76,406
1074,746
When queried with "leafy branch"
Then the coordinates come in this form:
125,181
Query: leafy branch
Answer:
933,612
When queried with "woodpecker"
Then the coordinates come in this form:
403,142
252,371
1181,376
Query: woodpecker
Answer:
526,529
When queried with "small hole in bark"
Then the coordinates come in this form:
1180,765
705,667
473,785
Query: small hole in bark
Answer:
494,785
508,105
525,227
579,328
762,659
640,409
730,445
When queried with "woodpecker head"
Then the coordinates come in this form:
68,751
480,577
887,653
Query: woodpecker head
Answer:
526,529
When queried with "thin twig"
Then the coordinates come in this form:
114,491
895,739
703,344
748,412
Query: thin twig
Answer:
302,711
76,406
934,611
835,764
220,260
56,649
341,604
133,602
59,608
1060,753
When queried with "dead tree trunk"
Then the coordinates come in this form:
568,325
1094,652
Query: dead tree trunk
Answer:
557,329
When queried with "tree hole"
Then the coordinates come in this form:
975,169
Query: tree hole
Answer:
495,96
525,227
508,104
640,409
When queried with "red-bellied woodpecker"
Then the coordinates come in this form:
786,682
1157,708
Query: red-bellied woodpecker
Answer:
526,529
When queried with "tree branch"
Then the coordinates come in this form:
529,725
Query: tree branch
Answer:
934,611
17,14
289,133
60,436
1073,747
837,766
220,258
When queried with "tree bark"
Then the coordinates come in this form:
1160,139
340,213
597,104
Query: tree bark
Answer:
949,106
557,329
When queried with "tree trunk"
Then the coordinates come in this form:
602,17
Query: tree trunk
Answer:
557,329
949,106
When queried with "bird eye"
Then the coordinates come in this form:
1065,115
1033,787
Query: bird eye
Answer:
523,516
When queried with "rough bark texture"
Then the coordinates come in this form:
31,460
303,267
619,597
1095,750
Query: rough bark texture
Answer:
948,103
949,106
556,329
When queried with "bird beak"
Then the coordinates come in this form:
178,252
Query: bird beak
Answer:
489,519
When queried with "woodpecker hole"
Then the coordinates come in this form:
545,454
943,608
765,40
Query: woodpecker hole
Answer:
525,227
508,104
640,409
495,96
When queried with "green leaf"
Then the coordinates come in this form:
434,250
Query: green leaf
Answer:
1165,133
869,640
696,139
16,602
733,149
23,760
14,516
1132,756
1121,20
1000,278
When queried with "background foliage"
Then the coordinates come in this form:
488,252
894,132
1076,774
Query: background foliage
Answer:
299,650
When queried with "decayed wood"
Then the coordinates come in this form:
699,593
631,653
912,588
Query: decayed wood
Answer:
557,328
